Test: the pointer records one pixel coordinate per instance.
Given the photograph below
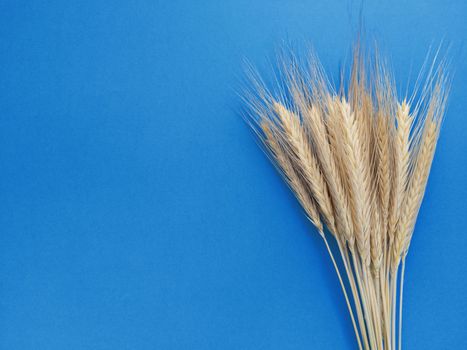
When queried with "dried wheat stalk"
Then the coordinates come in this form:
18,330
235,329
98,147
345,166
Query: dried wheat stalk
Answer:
357,160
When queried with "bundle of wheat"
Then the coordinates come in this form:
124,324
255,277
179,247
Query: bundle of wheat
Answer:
357,160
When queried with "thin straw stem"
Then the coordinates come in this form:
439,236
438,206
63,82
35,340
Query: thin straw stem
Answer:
394,302
344,290
357,300
401,295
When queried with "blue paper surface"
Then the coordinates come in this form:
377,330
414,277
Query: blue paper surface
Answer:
136,210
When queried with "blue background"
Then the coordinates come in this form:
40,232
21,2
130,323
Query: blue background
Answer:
136,211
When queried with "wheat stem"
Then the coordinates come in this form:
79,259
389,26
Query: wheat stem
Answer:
401,294
344,290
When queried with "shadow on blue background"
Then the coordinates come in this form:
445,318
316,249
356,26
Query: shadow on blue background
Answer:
136,210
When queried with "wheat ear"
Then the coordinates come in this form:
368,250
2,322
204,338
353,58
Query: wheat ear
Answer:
292,177
401,167
302,155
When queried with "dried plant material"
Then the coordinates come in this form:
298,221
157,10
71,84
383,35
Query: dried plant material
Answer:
357,160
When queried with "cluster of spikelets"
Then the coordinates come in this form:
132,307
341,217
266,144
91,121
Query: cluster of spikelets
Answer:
358,160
